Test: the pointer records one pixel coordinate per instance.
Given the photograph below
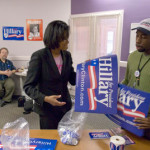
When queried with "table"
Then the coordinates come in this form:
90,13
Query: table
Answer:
87,144
21,76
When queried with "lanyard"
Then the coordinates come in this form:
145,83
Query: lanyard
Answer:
138,71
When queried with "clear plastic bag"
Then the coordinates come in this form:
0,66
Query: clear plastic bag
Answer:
15,135
70,127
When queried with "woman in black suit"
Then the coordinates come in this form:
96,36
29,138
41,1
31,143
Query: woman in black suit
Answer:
50,70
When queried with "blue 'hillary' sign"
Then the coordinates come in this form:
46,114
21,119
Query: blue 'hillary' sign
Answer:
13,33
131,103
96,85
35,144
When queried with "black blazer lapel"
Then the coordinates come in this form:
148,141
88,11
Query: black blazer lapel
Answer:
64,63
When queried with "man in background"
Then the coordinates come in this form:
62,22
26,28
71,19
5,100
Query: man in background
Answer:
7,85
138,68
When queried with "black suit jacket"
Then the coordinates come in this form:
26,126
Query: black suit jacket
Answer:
43,79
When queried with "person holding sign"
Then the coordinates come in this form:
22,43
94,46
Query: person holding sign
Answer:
50,70
138,68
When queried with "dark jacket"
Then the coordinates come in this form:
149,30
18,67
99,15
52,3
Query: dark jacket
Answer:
43,79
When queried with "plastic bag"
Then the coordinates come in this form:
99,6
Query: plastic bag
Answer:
70,127
15,135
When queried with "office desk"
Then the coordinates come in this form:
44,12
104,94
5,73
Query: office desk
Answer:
87,144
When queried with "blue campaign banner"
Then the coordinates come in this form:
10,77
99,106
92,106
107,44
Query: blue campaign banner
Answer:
13,33
36,144
96,85
131,103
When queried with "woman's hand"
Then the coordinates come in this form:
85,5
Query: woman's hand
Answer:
53,100
87,60
142,123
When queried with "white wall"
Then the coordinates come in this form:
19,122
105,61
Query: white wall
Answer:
15,12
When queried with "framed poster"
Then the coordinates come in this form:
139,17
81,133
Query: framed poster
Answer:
34,29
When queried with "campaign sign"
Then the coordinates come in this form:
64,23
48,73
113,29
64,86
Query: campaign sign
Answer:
36,144
131,103
13,33
96,85
99,135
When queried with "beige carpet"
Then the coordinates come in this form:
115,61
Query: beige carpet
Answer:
12,112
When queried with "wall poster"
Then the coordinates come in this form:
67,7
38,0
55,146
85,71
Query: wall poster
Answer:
13,33
34,29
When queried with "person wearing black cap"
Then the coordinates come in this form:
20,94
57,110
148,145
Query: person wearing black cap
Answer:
138,68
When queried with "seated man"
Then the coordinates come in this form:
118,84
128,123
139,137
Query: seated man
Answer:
6,83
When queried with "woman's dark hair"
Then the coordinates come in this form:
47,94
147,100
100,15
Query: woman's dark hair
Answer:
55,32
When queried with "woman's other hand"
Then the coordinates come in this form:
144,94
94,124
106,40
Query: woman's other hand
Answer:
53,100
